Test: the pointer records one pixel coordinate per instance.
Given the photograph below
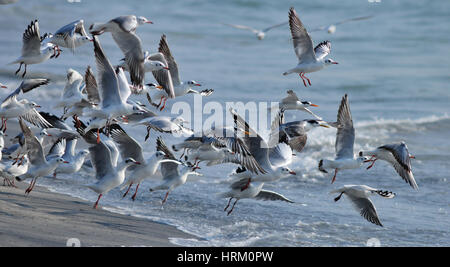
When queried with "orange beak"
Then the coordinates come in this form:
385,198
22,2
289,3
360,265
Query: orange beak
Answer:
314,105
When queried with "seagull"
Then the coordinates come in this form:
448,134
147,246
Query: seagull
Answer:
254,190
309,59
332,27
345,139
66,148
398,156
39,165
292,102
130,148
108,172
113,88
71,35
292,133
173,173
123,31
10,171
12,108
165,124
170,79
33,50
218,146
71,94
273,160
359,195
260,34
152,62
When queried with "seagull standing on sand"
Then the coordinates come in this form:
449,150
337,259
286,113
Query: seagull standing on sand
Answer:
345,139
39,164
173,175
34,51
398,156
309,59
130,148
260,34
359,195
123,31
254,190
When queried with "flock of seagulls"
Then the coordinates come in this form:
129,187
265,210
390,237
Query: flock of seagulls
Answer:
99,103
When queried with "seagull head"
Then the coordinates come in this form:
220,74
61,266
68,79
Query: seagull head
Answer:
131,161
60,160
193,83
308,104
32,105
143,20
154,86
158,65
329,61
287,171
315,123
160,154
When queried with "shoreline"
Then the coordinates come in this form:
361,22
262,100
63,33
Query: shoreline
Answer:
49,219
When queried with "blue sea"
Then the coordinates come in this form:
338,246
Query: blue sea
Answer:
394,68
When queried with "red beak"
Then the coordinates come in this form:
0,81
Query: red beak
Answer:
149,22
65,162
138,163
293,173
37,106
197,84
3,86
335,63
166,68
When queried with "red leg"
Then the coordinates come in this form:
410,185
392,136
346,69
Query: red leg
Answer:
334,177
98,199
164,105
98,136
124,195
135,192
301,76
373,162
165,198
307,79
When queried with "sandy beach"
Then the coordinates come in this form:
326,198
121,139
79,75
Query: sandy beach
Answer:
48,219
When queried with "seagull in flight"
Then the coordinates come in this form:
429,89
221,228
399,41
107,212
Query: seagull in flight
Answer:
345,139
332,27
310,58
260,34
359,196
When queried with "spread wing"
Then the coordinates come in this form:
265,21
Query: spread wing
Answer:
303,45
345,135
31,40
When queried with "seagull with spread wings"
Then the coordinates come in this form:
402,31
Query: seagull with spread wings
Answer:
310,58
